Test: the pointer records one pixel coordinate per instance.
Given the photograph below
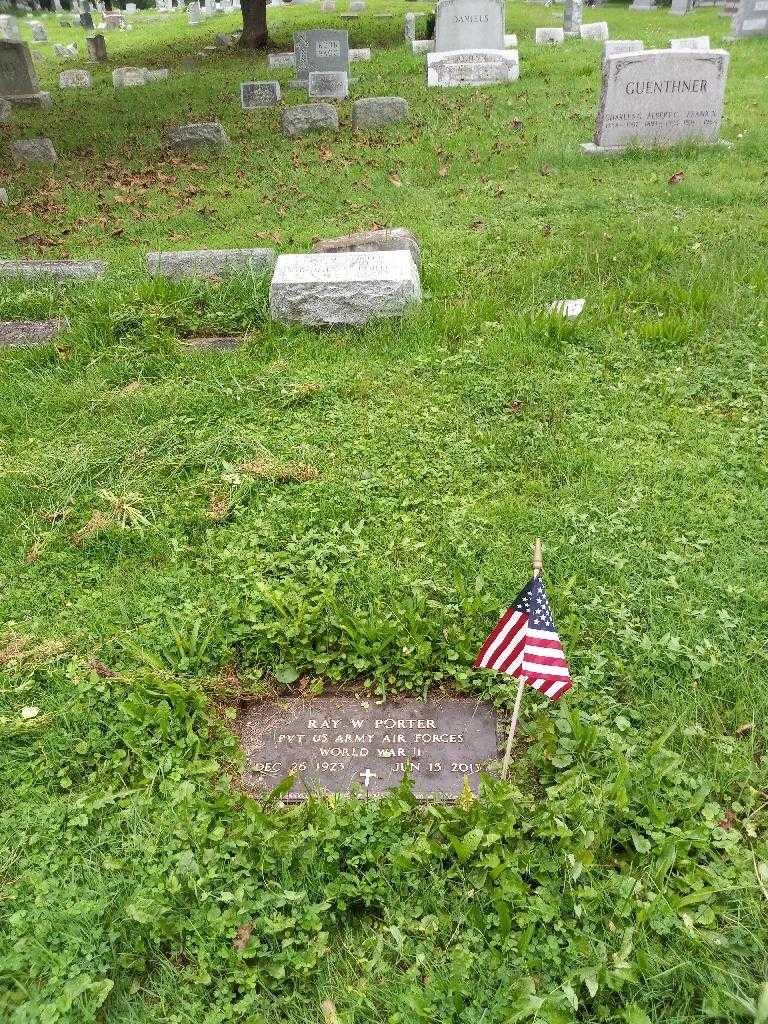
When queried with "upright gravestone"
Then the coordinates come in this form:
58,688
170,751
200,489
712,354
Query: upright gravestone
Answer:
86,20
572,13
469,25
320,50
97,48
18,81
342,745
681,7
39,35
193,13
9,27
613,46
751,19
690,43
659,98
410,27
643,5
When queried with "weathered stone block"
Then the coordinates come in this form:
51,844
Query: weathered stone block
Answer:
193,136
309,117
376,111
210,263
33,151
343,288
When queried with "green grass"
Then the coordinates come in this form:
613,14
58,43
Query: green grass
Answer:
618,878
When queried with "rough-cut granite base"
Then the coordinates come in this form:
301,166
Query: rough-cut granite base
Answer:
343,288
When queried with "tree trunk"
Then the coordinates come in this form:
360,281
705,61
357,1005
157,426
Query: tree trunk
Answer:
254,35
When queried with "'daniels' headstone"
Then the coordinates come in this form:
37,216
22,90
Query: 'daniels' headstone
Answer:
660,97
469,25
342,745
320,50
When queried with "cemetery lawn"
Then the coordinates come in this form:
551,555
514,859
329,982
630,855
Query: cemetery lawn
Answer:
351,509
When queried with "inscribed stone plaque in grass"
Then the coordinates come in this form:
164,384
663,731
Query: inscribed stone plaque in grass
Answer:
338,744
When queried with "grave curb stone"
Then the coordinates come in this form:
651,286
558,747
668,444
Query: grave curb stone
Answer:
59,270
337,289
209,263
377,111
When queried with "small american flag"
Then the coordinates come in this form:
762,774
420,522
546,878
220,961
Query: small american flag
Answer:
524,643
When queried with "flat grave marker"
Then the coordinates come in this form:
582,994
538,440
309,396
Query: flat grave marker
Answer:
337,743
254,95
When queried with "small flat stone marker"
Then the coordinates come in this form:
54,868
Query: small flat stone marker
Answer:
254,95
193,136
359,53
60,270
33,151
613,46
690,43
30,333
281,60
550,36
472,67
128,78
596,30
209,263
75,79
342,745
328,85
223,344
378,111
343,288
309,117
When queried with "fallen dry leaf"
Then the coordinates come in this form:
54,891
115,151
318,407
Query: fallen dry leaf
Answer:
395,180
242,938
442,171
676,178
745,730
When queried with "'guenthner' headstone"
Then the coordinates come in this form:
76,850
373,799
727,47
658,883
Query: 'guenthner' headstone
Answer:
659,98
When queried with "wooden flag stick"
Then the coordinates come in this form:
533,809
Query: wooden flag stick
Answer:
537,567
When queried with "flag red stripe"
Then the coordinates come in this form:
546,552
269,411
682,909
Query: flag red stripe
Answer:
540,659
513,654
493,635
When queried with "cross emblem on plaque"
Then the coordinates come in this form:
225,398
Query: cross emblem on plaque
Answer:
367,775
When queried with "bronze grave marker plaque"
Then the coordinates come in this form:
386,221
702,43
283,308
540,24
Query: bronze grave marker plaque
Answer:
345,745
